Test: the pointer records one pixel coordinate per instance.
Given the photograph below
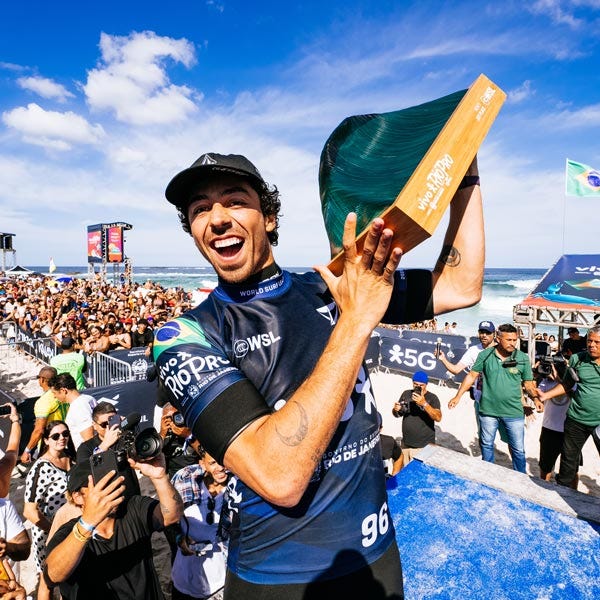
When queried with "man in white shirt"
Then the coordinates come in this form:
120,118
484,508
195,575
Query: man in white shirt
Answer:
14,539
485,331
79,416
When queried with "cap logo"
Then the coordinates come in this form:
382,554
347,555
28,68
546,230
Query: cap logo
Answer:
207,159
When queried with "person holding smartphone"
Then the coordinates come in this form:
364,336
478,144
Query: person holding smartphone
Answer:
118,540
106,425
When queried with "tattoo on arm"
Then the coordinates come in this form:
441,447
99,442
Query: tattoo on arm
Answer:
296,438
450,256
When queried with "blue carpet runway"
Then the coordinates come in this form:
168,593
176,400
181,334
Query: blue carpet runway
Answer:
459,538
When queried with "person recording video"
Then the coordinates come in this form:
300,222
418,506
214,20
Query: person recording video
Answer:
419,410
105,433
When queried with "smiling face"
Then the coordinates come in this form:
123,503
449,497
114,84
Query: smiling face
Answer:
61,432
213,471
229,228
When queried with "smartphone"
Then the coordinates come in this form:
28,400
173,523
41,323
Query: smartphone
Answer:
102,463
114,420
5,410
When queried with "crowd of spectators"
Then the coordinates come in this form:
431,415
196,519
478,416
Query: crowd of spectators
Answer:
97,315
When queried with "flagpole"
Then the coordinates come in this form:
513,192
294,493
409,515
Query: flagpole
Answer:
564,207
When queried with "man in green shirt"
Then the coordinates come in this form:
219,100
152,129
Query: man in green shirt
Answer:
582,381
70,361
505,371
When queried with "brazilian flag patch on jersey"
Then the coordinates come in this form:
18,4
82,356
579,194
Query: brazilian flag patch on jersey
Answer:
177,332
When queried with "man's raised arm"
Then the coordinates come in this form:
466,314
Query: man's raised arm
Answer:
458,273
299,432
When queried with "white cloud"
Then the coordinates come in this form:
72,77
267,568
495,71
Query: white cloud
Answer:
11,66
523,92
557,11
51,129
45,87
132,81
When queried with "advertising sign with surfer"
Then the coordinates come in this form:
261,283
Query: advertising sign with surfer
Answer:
572,283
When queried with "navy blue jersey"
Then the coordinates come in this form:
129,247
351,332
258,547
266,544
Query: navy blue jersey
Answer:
271,335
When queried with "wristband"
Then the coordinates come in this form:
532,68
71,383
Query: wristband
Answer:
78,535
85,525
468,181
27,450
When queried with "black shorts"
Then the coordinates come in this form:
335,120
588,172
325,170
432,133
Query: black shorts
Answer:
550,447
382,579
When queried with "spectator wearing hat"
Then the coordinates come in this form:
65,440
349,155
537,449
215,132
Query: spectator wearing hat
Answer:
107,552
70,361
420,410
486,333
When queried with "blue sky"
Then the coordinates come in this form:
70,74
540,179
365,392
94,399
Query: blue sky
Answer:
102,103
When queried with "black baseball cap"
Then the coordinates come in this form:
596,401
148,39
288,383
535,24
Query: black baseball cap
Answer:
180,187
78,476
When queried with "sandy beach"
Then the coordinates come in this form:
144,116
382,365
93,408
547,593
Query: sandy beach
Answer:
456,431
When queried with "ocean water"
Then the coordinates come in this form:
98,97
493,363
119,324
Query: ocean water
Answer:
502,289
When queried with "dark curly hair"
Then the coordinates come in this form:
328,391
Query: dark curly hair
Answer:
270,205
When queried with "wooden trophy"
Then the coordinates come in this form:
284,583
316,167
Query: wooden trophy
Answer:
404,166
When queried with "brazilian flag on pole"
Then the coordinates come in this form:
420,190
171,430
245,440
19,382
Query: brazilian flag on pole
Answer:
582,180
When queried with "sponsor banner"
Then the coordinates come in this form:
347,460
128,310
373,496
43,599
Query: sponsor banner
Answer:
407,357
137,358
95,252
115,244
573,283
130,396
42,348
372,354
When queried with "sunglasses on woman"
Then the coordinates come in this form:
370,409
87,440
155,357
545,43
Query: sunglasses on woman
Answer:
63,434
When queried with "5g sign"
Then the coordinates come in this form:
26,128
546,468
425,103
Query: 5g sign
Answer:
410,357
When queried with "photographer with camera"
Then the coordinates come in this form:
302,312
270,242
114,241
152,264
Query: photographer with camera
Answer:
505,370
555,413
107,552
419,410
582,382
179,445
106,424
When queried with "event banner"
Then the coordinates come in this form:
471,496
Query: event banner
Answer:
115,244
408,356
95,252
41,347
573,283
130,396
137,358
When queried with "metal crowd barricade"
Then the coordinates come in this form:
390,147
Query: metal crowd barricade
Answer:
15,359
106,370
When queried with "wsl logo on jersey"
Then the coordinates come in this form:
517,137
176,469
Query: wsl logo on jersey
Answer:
254,342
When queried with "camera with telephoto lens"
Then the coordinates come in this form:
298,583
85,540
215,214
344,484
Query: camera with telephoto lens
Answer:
559,362
136,444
